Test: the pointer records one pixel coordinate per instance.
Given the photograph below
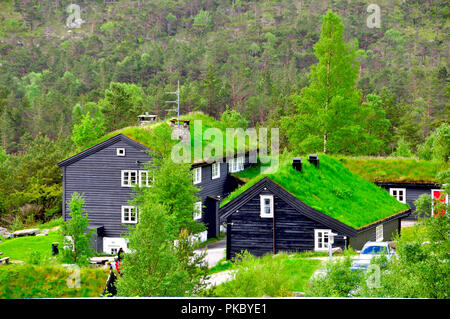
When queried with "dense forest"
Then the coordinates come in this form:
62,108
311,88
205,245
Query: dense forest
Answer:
119,58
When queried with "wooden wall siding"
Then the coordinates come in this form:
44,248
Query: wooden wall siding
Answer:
293,231
413,191
98,177
389,230
219,187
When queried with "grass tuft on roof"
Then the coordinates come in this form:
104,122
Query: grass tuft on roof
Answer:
331,189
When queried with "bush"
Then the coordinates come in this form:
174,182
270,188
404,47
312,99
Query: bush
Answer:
31,281
271,275
338,281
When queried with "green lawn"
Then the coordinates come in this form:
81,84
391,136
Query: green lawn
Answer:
21,248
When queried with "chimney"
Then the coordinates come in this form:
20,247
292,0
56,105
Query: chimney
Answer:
314,159
297,164
145,119
181,130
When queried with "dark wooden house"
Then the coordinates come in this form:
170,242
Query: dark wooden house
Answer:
269,217
106,173
410,192
403,178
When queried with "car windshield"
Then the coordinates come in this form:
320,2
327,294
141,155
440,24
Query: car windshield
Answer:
373,250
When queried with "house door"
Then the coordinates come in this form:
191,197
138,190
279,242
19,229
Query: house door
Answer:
438,195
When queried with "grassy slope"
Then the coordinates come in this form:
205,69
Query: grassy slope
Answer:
391,169
29,281
21,248
331,189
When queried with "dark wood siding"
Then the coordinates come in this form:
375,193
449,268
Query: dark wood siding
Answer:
413,191
293,231
98,177
218,187
389,230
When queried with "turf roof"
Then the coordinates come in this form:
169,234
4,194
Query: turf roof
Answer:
394,169
331,189
157,136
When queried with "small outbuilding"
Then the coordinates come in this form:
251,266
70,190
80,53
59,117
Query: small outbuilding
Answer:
299,206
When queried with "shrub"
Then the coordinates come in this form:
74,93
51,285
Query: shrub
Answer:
338,281
271,275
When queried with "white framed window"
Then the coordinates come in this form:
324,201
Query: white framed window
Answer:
198,210
266,203
144,180
129,178
197,172
321,239
399,193
240,163
436,195
129,215
236,164
215,170
379,233
120,152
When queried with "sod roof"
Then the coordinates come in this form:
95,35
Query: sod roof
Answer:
331,189
157,137
394,169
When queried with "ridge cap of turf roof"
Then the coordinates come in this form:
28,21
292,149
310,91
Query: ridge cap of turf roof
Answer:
207,122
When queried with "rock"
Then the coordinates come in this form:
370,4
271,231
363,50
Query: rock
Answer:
55,228
26,232
5,233
337,250
7,236
43,234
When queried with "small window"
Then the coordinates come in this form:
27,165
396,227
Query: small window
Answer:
114,251
379,233
197,175
240,163
399,193
266,206
215,170
129,215
321,239
198,210
120,152
236,164
129,178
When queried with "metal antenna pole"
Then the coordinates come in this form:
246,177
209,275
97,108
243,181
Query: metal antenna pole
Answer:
177,101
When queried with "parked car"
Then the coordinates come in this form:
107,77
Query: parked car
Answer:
370,250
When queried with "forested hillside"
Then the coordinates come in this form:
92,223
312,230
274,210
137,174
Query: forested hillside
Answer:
253,57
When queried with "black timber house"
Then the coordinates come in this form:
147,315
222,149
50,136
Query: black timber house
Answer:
106,172
267,218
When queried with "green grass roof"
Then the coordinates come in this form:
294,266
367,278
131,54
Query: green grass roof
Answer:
157,136
392,169
332,189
